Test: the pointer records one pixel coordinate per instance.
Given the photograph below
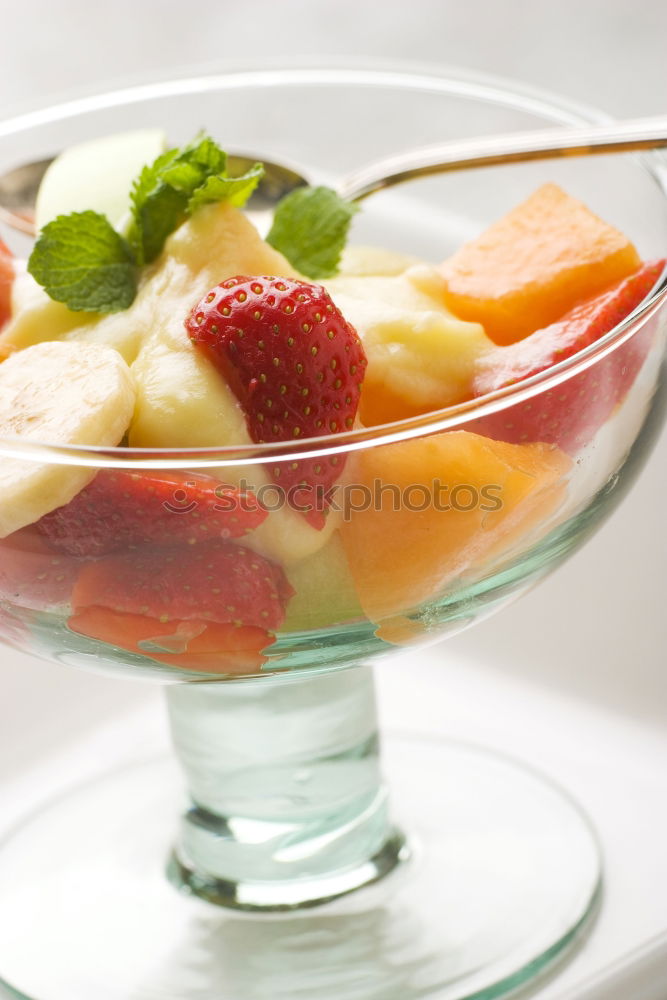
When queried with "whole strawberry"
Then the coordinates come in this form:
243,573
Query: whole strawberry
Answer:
296,366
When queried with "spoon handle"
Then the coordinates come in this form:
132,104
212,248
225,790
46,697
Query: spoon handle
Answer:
516,147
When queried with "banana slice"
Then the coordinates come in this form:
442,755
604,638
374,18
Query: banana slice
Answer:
57,393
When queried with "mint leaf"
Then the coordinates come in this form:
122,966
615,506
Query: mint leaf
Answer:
161,195
183,177
205,152
236,190
310,228
148,181
158,208
154,219
82,261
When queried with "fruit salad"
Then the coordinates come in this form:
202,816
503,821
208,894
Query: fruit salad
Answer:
152,315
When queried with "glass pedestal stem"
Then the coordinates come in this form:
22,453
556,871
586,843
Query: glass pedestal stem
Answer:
287,804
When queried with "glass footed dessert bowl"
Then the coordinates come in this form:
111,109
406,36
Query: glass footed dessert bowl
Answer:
256,526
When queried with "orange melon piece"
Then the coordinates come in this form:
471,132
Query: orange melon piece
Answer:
404,547
535,264
402,630
379,404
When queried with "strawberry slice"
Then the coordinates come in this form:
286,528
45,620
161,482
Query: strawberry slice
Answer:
295,364
206,647
212,604
219,582
32,575
121,508
570,414
6,282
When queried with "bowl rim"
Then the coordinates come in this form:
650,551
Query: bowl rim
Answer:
457,82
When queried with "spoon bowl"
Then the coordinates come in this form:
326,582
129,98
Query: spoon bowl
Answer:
18,194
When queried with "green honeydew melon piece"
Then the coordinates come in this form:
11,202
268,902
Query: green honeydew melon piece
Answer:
325,594
97,175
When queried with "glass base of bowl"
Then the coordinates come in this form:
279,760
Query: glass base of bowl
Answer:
501,882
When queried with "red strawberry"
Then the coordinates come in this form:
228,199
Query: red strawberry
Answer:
219,582
202,646
295,364
121,508
570,414
6,282
204,604
32,575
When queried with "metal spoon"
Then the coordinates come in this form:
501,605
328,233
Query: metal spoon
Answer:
18,188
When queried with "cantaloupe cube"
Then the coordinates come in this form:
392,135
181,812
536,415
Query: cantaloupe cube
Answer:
405,548
535,264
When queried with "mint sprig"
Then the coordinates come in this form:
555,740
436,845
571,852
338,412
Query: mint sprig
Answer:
310,227
162,193
82,261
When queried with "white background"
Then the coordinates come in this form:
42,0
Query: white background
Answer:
597,630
